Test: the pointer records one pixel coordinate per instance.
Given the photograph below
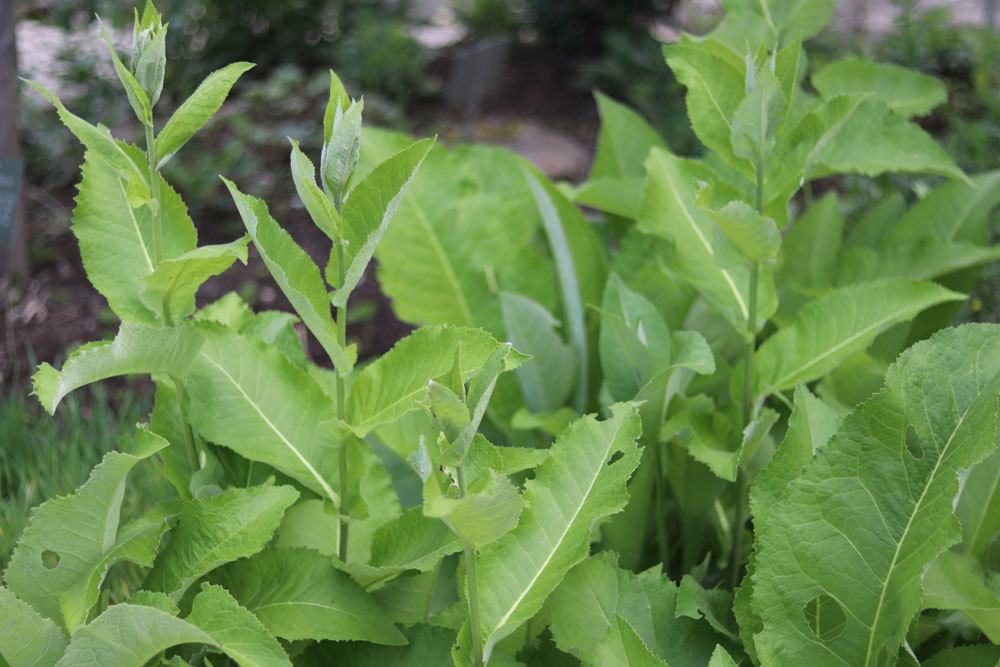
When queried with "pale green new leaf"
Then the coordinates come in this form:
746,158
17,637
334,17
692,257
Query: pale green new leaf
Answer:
617,196
369,209
547,378
172,285
196,110
135,350
623,143
721,658
582,481
27,639
846,536
755,235
321,209
137,97
958,582
757,117
129,634
298,594
215,530
831,328
905,91
63,555
296,274
483,516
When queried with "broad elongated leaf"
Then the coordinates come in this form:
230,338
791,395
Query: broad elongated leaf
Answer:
833,327
582,481
811,246
172,285
623,143
215,530
926,259
130,634
756,236
136,350
428,645
196,110
116,239
251,398
298,594
547,379
321,209
296,275
958,582
370,207
481,517
63,555
27,639
979,506
623,647
953,211
905,91
846,537
757,117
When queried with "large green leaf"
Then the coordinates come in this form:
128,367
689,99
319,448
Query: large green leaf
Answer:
27,639
370,207
623,143
215,530
582,481
953,211
172,285
298,594
979,506
64,554
547,379
136,350
249,397
296,274
196,110
847,536
958,582
428,645
926,259
129,634
831,328
905,91
811,246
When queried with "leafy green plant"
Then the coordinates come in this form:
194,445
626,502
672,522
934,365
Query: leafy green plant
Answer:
717,427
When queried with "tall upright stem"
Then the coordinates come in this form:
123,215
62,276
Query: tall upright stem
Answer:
154,191
342,389
736,556
472,585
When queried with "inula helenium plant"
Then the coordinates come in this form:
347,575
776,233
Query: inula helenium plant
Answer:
709,422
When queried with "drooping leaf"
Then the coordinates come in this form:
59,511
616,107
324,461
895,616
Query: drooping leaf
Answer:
582,481
831,328
296,275
196,110
27,639
172,285
845,537
298,594
905,91
215,530
547,379
958,582
129,634
63,555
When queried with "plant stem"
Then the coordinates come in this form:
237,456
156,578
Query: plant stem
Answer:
736,555
472,586
342,413
154,191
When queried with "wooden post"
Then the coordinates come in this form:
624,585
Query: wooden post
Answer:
13,242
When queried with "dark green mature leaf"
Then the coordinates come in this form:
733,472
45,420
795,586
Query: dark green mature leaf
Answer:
582,481
64,554
172,285
905,91
831,328
846,536
979,655
296,275
215,530
547,378
298,594
129,634
27,639
428,645
196,110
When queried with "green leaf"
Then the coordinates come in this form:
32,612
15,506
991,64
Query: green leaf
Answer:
811,246
137,97
136,350
63,555
428,645
953,211
369,209
617,196
338,98
978,655
296,275
957,582
755,235
846,536
624,647
116,240
483,516
546,380
979,507
581,482
623,143
215,530
757,117
341,149
196,110
836,325
26,638
321,209
710,264
128,634
579,263
905,91
172,285
721,658
298,594
396,383
926,259
696,602
248,396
